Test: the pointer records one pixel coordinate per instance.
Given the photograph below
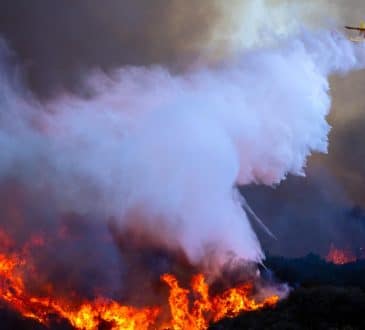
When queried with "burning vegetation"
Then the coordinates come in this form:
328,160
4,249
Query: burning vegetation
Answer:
340,257
63,273
193,308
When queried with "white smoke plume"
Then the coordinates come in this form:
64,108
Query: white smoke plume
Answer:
166,152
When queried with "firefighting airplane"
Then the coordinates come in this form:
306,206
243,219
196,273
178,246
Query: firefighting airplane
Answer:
361,29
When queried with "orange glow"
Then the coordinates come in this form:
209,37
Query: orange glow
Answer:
87,316
206,309
339,257
187,308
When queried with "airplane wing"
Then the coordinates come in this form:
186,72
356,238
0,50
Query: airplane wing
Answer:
355,28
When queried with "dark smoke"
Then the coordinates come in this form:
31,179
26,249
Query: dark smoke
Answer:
58,41
308,214
346,152
61,245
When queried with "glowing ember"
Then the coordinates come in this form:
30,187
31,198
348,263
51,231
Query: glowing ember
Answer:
194,309
339,257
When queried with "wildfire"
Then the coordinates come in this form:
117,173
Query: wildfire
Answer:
188,309
339,257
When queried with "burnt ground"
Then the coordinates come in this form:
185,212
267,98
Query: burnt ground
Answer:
324,296
10,320
323,307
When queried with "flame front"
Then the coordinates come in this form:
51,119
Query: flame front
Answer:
339,257
188,309
206,309
87,316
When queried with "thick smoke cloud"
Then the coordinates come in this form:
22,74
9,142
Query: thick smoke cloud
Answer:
161,143
162,154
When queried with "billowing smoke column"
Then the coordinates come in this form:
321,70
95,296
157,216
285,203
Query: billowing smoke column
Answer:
162,154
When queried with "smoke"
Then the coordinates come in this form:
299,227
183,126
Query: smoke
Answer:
162,154
307,215
58,44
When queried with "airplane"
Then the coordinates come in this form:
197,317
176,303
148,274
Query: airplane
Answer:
361,29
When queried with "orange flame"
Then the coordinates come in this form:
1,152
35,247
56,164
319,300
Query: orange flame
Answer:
339,257
206,309
188,309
